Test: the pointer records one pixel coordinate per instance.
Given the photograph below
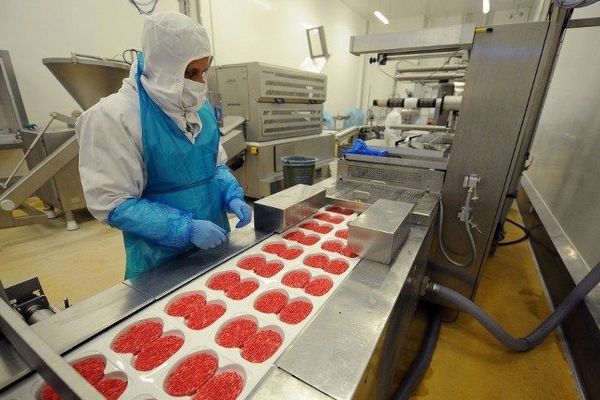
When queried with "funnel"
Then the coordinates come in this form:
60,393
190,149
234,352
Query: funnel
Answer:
88,78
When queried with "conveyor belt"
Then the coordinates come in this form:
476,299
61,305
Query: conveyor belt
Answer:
220,334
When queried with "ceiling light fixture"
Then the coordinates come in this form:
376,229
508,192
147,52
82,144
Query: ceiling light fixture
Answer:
486,6
382,17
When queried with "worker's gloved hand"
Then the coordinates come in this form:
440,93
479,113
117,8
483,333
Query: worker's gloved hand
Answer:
206,234
242,211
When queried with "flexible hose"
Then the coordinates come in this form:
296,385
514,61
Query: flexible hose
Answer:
421,363
473,253
541,332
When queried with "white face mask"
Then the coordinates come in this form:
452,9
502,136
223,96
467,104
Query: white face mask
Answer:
194,93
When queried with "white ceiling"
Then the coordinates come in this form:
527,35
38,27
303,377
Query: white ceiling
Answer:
411,8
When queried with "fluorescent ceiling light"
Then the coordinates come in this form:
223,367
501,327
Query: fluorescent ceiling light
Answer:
382,17
486,6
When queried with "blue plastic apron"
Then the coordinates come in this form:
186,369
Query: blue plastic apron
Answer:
180,174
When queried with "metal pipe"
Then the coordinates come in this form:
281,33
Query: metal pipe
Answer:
33,144
445,54
441,68
39,356
429,128
430,77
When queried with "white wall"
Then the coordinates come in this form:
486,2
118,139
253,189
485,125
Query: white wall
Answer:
274,32
271,31
34,29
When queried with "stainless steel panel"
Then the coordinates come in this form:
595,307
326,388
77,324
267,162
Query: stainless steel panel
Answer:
565,168
12,112
233,143
402,162
86,78
333,352
270,121
163,280
378,232
447,38
287,208
262,168
486,143
278,384
394,175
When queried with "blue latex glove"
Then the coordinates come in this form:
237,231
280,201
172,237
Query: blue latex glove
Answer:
242,211
206,235
360,147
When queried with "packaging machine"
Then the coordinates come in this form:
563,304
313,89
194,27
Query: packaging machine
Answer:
330,323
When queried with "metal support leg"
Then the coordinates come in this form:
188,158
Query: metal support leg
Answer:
39,356
49,211
71,222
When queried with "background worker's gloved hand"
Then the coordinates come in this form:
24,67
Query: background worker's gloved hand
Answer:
242,211
206,234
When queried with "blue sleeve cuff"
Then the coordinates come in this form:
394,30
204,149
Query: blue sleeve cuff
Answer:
156,222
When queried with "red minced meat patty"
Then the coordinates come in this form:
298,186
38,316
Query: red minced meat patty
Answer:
317,261
271,303
295,312
242,289
224,386
261,346
252,262
296,279
333,246
318,287
223,281
205,316
111,388
337,267
157,352
236,333
185,305
269,269
191,374
137,336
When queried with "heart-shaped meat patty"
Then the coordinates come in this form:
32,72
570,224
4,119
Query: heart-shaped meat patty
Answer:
270,302
157,352
223,281
295,312
191,374
186,304
296,279
137,336
236,333
337,267
224,386
318,287
242,290
317,261
261,346
205,316
111,388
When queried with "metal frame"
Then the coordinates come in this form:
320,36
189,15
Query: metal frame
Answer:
8,76
323,42
442,39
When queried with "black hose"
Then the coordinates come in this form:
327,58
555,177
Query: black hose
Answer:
419,366
515,241
541,332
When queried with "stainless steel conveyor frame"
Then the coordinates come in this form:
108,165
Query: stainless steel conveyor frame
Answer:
361,329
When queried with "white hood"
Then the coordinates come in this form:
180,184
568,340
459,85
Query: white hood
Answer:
170,41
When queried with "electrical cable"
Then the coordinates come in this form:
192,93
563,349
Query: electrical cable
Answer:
473,253
515,241
419,366
462,303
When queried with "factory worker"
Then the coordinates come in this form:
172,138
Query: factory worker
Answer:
150,159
